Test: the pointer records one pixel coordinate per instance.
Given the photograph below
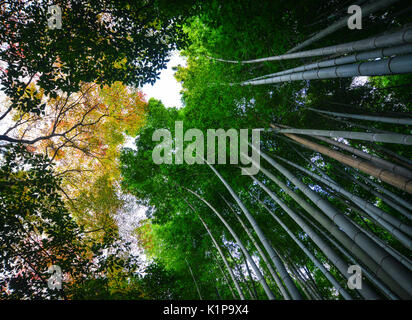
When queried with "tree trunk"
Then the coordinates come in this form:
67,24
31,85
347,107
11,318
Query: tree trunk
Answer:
394,196
294,292
239,242
389,153
242,276
309,281
366,10
389,66
365,271
308,293
194,280
405,261
321,267
407,121
313,165
335,259
261,253
389,202
382,174
239,290
381,41
385,261
226,278
378,161
371,233
379,215
255,294
357,57
341,237
355,125
397,138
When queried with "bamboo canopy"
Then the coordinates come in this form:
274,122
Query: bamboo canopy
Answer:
404,36
366,10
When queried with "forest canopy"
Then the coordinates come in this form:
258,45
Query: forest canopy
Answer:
331,198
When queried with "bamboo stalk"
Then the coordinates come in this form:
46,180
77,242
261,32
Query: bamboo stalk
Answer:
388,66
366,10
381,41
294,292
382,174
325,272
259,275
386,262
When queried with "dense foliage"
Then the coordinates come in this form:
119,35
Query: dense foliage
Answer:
72,98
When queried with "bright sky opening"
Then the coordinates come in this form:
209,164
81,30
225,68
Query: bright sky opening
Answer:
167,89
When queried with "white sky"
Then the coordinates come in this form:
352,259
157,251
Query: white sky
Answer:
359,81
167,89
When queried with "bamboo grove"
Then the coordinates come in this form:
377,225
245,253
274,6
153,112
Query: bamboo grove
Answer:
333,192
330,192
